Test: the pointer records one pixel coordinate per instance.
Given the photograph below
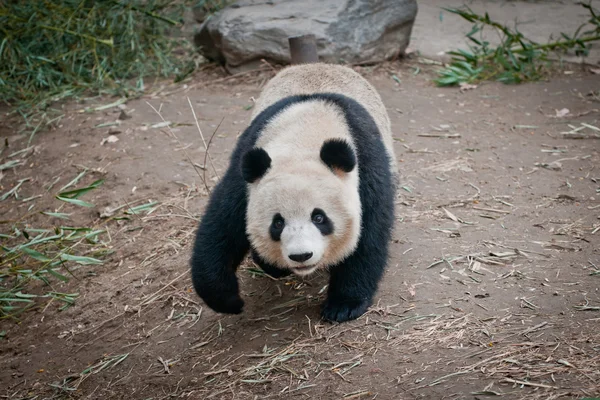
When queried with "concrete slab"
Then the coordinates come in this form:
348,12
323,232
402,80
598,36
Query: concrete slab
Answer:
437,31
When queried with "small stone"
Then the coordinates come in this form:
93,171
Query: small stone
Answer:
123,116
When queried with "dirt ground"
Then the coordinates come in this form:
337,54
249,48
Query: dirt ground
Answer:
491,288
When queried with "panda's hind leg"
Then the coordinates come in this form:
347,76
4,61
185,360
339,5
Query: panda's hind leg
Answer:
268,268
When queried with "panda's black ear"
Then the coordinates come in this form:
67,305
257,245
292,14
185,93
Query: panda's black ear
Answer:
338,155
255,164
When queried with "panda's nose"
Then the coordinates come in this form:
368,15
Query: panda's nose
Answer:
300,257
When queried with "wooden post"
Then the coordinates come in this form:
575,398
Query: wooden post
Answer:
303,49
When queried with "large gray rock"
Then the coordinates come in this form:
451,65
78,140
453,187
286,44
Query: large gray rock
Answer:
348,31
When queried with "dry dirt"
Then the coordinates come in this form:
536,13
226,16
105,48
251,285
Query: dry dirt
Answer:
491,289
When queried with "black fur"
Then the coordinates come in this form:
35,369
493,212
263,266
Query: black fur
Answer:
326,227
268,268
354,281
255,164
337,153
221,241
274,230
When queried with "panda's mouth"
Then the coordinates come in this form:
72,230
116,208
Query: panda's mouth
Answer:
302,266
303,269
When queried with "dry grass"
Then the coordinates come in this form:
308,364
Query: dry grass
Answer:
510,358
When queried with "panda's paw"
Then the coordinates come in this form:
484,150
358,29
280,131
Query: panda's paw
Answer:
344,310
226,304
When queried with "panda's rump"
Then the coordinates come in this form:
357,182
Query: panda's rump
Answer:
318,78
298,132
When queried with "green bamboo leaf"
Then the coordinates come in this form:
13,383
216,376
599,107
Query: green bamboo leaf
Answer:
73,194
140,208
36,255
74,181
80,259
75,229
76,202
15,300
57,214
449,81
57,275
94,233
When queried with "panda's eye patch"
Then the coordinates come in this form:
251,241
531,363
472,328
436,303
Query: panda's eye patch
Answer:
276,227
324,224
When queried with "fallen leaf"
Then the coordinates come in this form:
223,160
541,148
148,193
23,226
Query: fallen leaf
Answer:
412,290
562,113
110,139
595,71
466,86
554,165
107,213
163,124
451,216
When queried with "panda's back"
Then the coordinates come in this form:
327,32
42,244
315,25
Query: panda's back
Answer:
317,78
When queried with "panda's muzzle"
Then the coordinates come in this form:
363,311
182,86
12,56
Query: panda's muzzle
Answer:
301,257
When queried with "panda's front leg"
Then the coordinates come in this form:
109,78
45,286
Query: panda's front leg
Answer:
221,245
353,284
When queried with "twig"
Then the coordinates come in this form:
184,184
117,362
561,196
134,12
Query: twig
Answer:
491,210
529,383
516,249
221,371
202,137
440,135
145,302
181,145
208,147
438,380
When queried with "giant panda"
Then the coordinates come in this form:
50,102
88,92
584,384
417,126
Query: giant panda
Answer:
310,186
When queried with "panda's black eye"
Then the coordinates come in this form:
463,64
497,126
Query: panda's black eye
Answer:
323,224
318,218
276,227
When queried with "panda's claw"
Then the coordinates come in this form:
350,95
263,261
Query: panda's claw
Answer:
342,311
232,304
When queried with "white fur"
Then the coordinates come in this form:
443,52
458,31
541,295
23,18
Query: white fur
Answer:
320,78
298,180
302,236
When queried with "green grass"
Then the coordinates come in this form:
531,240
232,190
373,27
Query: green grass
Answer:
52,51
37,261
516,59
34,261
55,50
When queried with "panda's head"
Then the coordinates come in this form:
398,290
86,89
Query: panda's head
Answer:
303,212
